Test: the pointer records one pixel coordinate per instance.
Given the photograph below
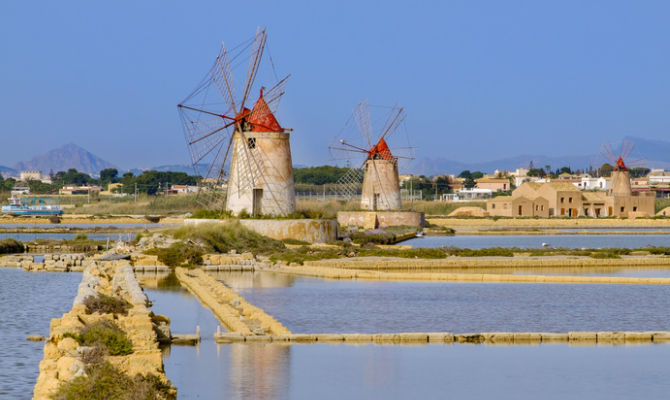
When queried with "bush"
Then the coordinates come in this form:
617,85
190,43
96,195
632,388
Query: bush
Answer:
178,254
106,305
9,246
221,238
103,381
81,236
104,333
488,252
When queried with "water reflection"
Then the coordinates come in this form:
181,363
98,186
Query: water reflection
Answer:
246,279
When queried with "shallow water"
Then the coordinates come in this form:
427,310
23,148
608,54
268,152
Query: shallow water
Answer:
310,305
28,302
536,241
281,371
27,237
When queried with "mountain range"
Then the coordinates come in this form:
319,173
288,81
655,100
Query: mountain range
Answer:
646,153
61,159
653,153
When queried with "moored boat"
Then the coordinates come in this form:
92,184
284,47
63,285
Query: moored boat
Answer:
32,206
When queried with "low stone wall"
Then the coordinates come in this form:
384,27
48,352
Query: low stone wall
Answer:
453,262
52,262
306,230
488,338
374,219
232,310
343,273
63,355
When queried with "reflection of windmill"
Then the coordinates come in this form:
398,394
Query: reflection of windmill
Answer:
380,188
218,123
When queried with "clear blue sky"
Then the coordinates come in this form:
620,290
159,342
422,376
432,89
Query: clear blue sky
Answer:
480,79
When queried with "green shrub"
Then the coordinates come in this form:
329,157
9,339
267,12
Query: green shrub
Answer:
106,305
106,334
9,246
103,381
81,236
658,250
178,254
221,238
294,241
403,253
488,252
602,255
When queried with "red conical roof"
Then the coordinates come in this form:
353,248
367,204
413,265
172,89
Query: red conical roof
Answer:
380,151
620,166
261,118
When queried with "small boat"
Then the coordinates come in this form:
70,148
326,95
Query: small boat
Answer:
32,206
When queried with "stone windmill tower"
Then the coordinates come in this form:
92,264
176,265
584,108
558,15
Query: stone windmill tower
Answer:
218,123
620,183
380,188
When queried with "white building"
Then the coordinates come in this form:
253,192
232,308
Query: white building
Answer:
468,194
659,177
588,182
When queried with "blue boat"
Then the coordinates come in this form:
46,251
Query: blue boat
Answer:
32,206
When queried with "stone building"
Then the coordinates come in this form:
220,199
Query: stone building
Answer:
563,199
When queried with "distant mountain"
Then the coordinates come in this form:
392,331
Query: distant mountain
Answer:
7,172
439,166
652,153
64,158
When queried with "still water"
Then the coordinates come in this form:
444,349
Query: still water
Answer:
536,241
28,302
280,371
27,237
310,305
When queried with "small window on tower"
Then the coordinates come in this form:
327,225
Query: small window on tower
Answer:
251,142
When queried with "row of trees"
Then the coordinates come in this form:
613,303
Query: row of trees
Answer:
149,182
605,170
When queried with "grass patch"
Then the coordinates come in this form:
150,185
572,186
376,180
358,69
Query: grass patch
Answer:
186,254
10,246
488,252
106,305
103,381
106,334
222,238
294,242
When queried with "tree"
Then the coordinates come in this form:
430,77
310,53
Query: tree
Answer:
108,175
606,170
469,182
465,174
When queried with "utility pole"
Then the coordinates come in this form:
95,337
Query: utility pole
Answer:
135,192
411,194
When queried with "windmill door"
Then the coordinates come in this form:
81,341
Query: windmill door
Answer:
375,201
257,202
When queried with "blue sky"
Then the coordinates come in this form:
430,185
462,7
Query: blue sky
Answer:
479,79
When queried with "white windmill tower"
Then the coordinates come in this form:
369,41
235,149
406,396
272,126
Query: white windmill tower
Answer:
217,123
380,187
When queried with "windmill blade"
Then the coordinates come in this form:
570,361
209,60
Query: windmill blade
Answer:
362,117
273,95
626,148
222,76
608,153
254,62
395,118
349,185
